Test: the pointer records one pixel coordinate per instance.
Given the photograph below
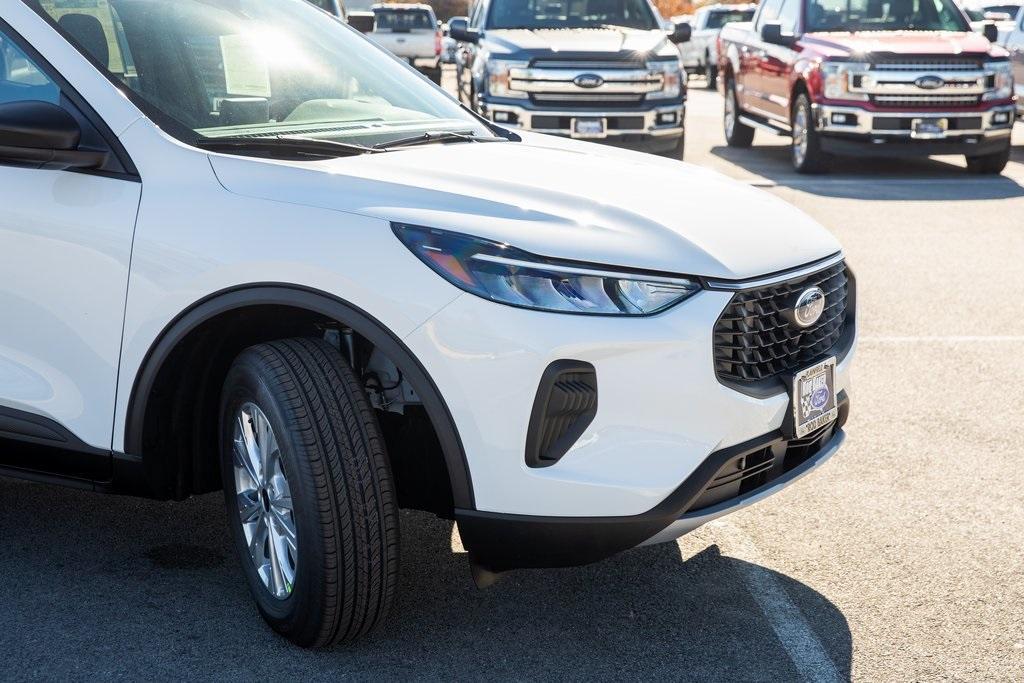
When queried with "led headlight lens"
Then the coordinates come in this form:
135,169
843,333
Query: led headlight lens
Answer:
671,78
511,276
1000,75
838,77
499,77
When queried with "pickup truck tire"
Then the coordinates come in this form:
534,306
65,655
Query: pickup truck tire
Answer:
309,493
434,75
677,151
710,72
989,164
736,133
806,146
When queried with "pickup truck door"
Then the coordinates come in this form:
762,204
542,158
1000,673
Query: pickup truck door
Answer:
750,80
1015,44
775,65
65,246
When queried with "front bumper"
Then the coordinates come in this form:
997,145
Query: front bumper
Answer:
855,131
661,126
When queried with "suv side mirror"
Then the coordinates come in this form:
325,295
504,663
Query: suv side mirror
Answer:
681,33
771,33
458,28
37,134
990,31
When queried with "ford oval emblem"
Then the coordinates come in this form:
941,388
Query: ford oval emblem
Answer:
809,306
929,82
588,81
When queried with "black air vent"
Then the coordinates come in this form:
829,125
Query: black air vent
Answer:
565,406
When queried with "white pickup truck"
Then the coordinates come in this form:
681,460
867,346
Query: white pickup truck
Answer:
699,55
412,33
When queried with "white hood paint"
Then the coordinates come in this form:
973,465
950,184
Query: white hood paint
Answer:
557,198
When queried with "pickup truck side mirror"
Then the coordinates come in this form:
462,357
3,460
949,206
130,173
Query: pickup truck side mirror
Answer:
458,28
681,33
990,31
771,33
37,134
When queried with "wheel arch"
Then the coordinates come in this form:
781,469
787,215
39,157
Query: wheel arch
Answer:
133,473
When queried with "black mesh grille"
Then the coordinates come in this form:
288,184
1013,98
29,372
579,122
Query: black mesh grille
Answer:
755,340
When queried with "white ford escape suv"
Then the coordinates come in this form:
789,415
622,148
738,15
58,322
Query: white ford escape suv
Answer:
243,248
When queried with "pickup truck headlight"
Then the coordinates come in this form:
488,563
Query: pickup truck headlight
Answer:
499,77
511,276
671,78
999,77
837,77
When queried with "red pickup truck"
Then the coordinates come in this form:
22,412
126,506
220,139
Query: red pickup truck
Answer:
868,78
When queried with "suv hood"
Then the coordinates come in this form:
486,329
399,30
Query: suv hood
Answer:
581,43
863,43
556,198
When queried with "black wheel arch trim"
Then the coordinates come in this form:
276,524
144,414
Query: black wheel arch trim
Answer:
321,303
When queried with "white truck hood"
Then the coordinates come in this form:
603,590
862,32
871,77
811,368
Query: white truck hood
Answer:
557,198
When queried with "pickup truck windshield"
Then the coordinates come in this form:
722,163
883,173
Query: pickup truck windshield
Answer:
884,15
720,19
256,68
540,14
402,21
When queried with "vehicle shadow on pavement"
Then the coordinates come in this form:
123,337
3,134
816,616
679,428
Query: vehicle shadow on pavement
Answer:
886,178
123,587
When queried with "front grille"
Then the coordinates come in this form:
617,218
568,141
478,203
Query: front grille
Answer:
754,341
572,100
585,66
928,64
925,100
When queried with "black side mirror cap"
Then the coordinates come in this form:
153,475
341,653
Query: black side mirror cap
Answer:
681,33
36,134
990,31
458,28
771,33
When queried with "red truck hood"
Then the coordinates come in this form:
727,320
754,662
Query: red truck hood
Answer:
899,42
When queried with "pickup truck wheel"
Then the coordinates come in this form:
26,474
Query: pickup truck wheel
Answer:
678,150
989,164
806,146
434,75
711,72
309,492
736,133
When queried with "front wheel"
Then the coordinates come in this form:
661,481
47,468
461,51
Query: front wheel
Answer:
711,72
806,147
736,134
989,164
309,493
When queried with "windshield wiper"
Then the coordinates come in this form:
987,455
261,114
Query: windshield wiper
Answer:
432,137
288,144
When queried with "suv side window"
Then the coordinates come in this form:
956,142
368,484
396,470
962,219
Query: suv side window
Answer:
21,79
769,12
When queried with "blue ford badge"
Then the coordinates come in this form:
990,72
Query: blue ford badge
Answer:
929,82
588,81
809,306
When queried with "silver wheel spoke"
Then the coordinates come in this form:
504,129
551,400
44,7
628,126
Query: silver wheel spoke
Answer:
249,507
284,527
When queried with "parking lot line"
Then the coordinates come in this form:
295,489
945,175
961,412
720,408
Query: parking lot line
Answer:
939,339
787,621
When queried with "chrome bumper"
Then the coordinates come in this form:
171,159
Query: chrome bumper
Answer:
863,122
524,120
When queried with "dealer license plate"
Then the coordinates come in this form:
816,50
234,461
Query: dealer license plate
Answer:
928,129
588,128
814,397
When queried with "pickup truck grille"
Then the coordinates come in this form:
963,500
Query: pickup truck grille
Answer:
929,64
925,100
754,341
553,86
923,82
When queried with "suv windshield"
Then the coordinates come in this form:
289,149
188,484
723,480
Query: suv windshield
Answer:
534,14
884,15
720,19
254,68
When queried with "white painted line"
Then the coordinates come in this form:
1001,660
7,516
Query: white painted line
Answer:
965,339
794,633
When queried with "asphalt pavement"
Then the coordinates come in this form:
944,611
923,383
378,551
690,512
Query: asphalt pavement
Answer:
900,560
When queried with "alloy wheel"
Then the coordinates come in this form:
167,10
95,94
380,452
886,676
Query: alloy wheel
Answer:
800,135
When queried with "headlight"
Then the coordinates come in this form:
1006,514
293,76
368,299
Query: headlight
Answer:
837,77
999,81
511,276
671,78
499,77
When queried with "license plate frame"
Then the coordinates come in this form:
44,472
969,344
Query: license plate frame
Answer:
814,397
589,127
929,128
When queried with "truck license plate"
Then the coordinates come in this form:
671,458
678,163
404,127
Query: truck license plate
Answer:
814,397
588,128
929,129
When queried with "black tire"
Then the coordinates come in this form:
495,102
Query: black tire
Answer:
989,164
342,498
808,158
434,75
737,134
711,72
678,150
